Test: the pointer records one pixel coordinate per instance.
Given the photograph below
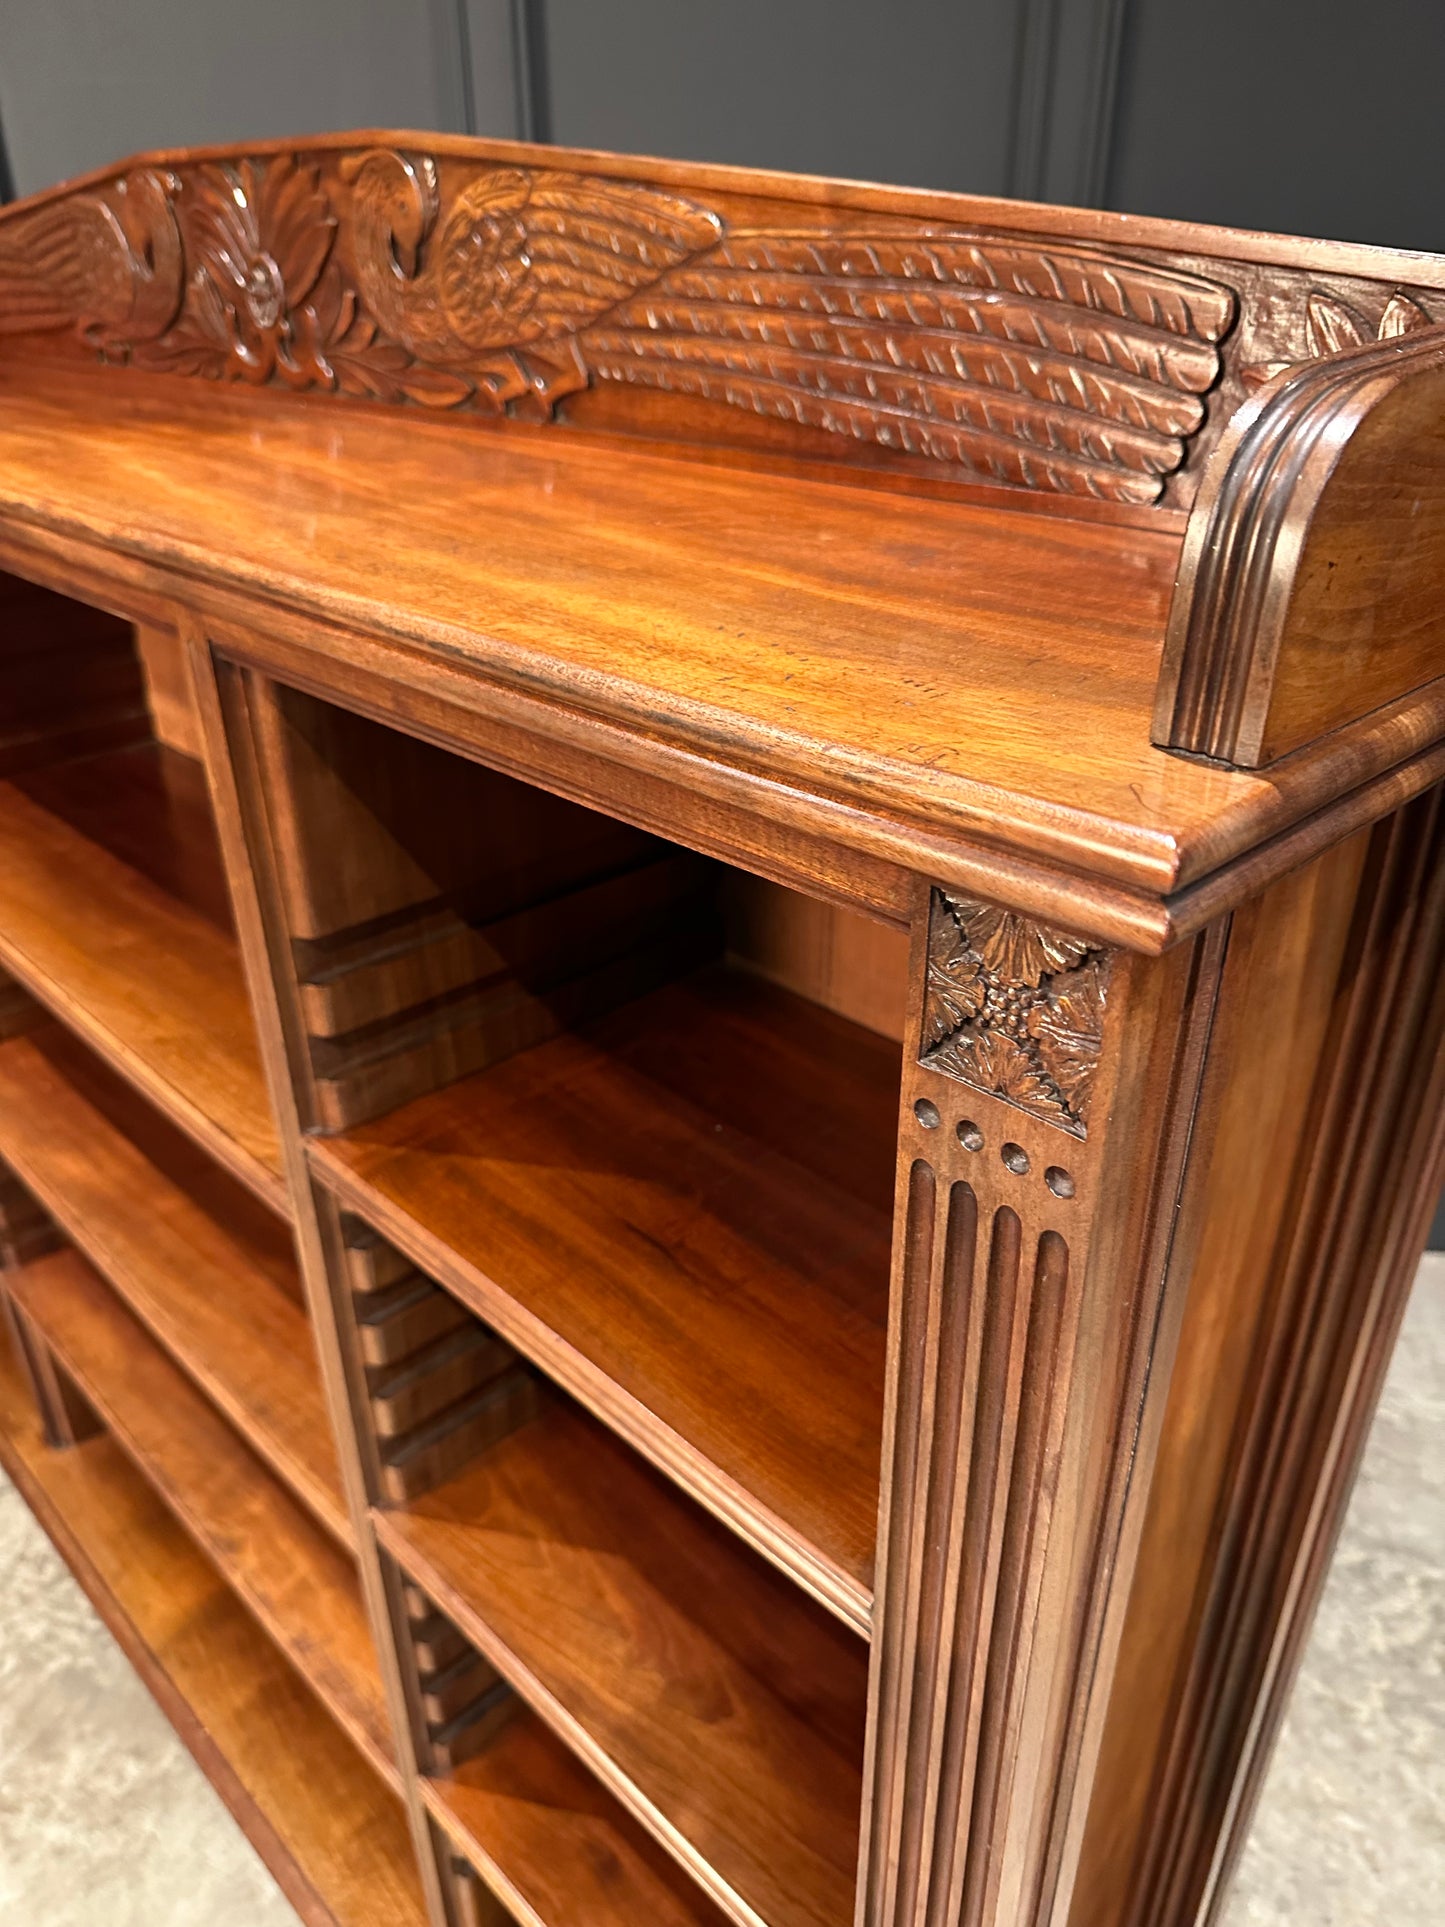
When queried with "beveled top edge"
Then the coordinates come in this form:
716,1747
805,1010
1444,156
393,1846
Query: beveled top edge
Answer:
1113,866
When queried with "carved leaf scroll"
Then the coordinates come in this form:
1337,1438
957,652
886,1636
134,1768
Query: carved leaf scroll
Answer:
256,240
1332,326
386,274
1014,1008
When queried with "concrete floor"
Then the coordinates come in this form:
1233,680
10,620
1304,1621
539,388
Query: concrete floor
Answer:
105,1819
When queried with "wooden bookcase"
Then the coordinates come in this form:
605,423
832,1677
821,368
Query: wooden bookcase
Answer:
721,1036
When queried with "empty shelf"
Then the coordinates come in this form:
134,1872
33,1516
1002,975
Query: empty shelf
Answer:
331,1832
151,981
300,1585
721,1706
682,1214
208,1286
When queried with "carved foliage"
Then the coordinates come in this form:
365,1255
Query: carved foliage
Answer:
382,274
1332,325
1013,1008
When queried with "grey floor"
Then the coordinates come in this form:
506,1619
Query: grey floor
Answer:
105,1819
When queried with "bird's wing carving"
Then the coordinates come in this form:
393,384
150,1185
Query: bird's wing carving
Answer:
594,243
107,262
516,257
1055,368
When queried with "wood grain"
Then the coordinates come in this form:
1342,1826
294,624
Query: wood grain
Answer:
1279,997
325,1824
553,1844
725,1712
832,534
1038,1283
300,1585
170,697
150,983
679,1213
1030,779
26,1227
1307,591
1289,1340
446,280
232,778
147,806
211,1286
833,957
73,685
66,1415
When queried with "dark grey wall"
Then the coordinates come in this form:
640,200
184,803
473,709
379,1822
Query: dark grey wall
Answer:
1272,113
83,82
1290,115
912,92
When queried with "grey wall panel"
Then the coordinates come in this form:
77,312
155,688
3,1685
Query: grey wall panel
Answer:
1286,115
914,91
83,82
492,96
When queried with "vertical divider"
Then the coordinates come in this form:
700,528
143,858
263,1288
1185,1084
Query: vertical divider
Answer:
1039,1265
241,822
65,1414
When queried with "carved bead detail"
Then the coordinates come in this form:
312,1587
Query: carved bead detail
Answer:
1013,1008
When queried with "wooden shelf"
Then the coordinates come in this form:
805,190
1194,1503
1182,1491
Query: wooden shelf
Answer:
299,1584
682,1214
717,1703
576,595
111,913
209,1273
329,1829
553,1844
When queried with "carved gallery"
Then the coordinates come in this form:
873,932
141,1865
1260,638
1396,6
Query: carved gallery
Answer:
722,1032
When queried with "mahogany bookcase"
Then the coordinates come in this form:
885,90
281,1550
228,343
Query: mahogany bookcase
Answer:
721,1037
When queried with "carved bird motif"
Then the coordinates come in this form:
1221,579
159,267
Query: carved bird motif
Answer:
107,264
1029,362
1045,366
520,264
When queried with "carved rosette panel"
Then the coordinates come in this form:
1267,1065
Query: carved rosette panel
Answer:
1014,1008
388,275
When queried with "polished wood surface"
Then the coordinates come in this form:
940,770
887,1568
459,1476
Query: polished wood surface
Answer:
1307,588
214,1293
1043,749
299,1584
1278,1374
170,697
555,1845
575,1571
588,745
681,1214
150,980
327,1828
73,687
1049,350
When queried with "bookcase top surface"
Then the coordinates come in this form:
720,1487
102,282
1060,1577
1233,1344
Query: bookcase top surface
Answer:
861,505
965,670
